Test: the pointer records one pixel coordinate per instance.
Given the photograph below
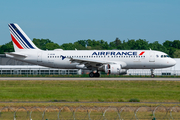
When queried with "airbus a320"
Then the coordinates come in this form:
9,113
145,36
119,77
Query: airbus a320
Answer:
110,61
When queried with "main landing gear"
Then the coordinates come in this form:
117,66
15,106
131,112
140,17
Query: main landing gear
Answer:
152,73
91,74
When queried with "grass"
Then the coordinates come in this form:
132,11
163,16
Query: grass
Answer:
58,92
75,105
90,91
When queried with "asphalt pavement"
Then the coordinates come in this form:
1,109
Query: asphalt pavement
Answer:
62,78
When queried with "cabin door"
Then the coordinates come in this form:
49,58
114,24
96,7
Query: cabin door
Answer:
39,57
152,56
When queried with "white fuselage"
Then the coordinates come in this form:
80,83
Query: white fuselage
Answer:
133,59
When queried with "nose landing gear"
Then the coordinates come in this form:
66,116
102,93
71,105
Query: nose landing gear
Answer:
152,73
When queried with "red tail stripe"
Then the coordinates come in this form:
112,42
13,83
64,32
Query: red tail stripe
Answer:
15,41
142,53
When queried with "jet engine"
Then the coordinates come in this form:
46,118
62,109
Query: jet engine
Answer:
114,69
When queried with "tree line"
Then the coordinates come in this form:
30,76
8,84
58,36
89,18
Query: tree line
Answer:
172,48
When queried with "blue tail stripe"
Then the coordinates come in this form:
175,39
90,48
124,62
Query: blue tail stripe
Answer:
18,37
23,42
19,41
22,36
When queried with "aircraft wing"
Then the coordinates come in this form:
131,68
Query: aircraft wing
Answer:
90,62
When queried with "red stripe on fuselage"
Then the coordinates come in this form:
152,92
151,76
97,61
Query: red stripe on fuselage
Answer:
142,53
16,42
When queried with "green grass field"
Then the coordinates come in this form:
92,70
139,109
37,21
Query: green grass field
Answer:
92,91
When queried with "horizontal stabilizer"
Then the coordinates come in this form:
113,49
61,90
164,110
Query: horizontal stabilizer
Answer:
16,54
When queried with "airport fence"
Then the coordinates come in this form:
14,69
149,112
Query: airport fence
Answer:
91,113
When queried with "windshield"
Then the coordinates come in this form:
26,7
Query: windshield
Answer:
164,56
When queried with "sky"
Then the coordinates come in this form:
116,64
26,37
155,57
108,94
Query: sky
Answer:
67,21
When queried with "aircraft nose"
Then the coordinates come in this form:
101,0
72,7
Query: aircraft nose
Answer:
173,62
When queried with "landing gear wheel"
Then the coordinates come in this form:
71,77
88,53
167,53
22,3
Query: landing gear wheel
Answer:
152,76
96,75
152,73
91,74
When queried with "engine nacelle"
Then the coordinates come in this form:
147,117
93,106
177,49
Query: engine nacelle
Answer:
114,69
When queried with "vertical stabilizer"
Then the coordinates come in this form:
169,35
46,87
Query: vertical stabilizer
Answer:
20,40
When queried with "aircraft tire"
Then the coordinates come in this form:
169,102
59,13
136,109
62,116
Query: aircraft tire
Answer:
152,76
91,74
97,75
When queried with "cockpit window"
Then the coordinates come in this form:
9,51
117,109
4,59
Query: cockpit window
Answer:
157,55
164,56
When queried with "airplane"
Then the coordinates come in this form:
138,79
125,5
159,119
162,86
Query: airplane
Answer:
109,61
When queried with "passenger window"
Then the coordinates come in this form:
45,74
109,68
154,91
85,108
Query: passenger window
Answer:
161,56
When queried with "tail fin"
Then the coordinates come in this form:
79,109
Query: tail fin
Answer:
20,40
